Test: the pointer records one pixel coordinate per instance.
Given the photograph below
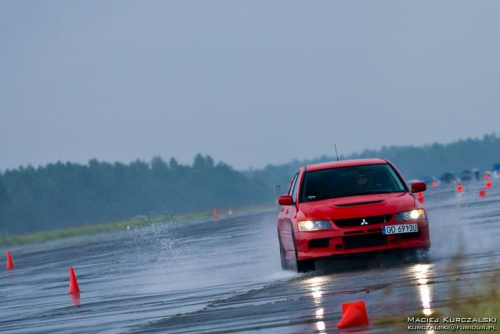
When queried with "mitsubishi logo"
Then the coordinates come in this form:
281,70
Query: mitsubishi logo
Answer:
364,222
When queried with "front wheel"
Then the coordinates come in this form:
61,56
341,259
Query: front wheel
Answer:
422,255
284,265
305,265
301,266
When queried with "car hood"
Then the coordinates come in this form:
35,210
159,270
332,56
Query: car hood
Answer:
357,206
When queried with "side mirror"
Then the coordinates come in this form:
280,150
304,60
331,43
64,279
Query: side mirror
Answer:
285,200
417,187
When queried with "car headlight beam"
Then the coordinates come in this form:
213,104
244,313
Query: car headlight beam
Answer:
417,214
314,225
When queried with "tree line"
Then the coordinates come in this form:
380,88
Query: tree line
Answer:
68,194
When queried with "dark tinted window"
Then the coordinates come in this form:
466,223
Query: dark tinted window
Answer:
350,181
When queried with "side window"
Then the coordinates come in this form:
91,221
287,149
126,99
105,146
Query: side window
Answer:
294,187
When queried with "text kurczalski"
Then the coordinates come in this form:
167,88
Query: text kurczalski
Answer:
452,320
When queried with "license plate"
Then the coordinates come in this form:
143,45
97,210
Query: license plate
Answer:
397,229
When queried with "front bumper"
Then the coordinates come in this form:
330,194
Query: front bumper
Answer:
356,240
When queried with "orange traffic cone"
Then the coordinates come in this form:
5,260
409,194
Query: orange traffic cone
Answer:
460,188
353,314
482,193
420,197
488,184
10,264
73,283
216,215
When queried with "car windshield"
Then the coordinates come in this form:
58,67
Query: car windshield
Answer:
350,181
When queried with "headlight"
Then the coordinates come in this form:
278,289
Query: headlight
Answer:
410,215
314,225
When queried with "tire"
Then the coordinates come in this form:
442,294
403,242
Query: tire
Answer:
284,265
304,265
414,255
422,255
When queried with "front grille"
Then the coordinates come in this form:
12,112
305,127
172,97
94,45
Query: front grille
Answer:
357,221
367,240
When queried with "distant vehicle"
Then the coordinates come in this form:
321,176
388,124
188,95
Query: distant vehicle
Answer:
496,170
430,181
448,177
349,207
466,175
476,173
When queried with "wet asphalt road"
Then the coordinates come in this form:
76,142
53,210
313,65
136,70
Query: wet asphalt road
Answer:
224,276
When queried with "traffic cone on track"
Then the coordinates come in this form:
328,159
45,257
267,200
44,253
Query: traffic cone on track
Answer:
73,283
216,215
10,264
421,197
353,314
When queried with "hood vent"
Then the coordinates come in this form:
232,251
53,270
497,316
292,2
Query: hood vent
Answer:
357,203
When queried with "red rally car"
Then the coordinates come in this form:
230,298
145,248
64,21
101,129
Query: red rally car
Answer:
349,207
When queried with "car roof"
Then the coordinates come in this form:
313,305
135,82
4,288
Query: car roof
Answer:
345,163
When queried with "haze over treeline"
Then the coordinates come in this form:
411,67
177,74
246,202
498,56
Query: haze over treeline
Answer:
67,194
413,162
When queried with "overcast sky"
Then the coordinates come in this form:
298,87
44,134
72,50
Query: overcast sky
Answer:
247,82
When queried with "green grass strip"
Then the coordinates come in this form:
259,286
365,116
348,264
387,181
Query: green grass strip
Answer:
89,229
